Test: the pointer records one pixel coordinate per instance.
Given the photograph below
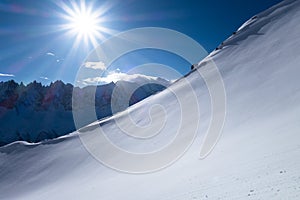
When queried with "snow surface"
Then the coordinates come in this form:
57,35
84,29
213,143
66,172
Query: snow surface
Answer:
257,156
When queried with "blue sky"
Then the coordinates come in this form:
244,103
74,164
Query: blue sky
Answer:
34,47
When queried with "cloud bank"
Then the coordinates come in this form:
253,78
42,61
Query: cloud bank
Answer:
119,76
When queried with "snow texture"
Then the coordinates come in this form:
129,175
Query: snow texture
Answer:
257,156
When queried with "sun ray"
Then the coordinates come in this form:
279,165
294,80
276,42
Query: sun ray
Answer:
84,23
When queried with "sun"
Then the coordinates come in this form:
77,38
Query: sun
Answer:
83,22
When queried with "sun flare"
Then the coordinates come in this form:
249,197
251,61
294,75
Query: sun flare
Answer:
83,22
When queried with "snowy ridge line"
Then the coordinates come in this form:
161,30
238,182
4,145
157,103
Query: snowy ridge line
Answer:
253,26
44,142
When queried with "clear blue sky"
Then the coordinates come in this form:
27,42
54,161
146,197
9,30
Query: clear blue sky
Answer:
33,46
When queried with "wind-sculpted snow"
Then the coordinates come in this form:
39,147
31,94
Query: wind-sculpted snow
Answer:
257,156
255,25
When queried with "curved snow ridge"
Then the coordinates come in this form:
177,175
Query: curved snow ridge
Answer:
20,146
254,26
23,145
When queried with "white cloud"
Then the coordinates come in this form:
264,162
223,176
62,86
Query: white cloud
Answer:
95,65
7,75
44,77
50,54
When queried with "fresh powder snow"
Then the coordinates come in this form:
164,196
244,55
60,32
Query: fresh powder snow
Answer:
257,156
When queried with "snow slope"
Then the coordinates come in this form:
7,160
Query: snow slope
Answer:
257,156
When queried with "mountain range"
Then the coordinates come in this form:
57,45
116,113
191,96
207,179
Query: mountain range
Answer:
36,112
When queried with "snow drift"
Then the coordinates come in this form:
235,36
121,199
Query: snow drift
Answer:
257,156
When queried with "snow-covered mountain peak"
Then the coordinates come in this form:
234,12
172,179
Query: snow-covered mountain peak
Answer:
35,112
